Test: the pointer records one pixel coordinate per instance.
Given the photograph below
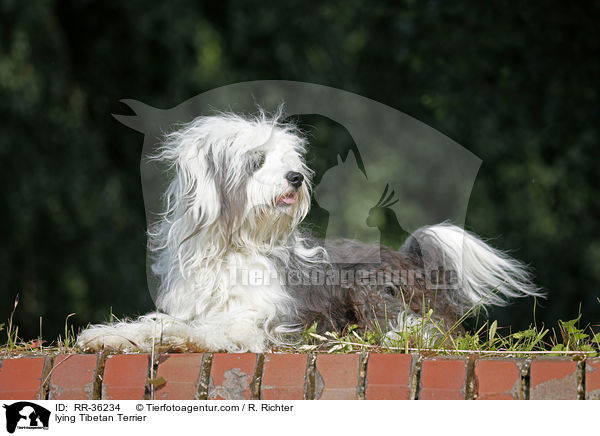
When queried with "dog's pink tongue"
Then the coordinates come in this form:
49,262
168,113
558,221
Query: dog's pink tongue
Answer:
289,199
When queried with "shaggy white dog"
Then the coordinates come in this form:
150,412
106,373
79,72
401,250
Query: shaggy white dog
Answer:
238,275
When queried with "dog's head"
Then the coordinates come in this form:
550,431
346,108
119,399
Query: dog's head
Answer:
236,180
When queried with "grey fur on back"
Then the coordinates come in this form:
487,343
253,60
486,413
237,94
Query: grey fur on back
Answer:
440,267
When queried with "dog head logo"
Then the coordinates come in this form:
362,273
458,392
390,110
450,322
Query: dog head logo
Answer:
26,415
430,175
346,218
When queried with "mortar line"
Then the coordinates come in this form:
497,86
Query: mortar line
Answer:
415,376
581,367
204,379
148,387
525,376
46,371
471,387
310,377
256,383
99,375
361,387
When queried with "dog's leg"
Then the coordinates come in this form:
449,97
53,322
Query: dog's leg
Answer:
154,329
160,331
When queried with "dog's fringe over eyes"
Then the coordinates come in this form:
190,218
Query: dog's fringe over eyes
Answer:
237,273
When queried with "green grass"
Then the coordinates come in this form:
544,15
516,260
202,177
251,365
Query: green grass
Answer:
567,338
15,345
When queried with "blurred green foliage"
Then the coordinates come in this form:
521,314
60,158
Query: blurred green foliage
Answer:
514,82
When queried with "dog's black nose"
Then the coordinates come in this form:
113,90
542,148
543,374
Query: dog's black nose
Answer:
294,178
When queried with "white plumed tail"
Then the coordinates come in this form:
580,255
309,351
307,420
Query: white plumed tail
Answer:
485,276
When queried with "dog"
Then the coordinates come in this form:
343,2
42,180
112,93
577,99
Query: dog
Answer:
238,273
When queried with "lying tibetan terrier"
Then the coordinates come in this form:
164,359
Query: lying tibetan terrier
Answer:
237,273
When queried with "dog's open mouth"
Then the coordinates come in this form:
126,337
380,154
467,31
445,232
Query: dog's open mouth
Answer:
287,199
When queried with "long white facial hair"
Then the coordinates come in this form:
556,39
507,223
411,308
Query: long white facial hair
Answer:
228,176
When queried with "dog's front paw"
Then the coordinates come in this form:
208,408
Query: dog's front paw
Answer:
96,339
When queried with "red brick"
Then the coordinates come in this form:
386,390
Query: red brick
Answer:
283,377
339,375
443,379
553,379
230,376
125,377
592,379
21,379
72,377
388,377
182,374
497,379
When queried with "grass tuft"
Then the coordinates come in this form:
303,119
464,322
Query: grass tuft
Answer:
421,335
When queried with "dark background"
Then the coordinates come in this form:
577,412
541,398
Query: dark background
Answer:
516,83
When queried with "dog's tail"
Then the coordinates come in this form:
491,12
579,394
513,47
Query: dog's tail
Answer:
475,274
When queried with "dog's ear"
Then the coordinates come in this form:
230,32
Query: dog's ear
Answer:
193,193
192,205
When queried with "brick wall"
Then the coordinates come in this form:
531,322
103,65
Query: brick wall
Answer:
295,376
